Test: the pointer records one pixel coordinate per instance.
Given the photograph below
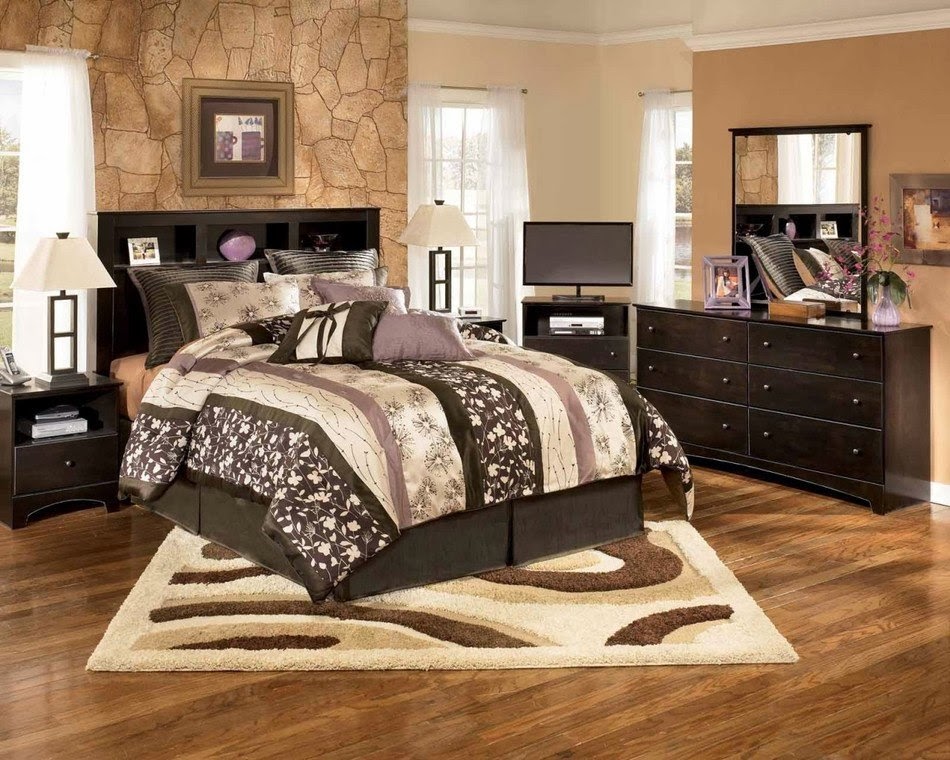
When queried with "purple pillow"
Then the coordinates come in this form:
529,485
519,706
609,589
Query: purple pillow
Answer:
402,337
333,292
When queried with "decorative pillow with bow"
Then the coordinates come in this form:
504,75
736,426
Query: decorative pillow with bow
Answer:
340,332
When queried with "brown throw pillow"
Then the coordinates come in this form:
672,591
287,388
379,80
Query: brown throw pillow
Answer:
333,331
404,337
397,298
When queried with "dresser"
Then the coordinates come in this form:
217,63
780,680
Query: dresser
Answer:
830,402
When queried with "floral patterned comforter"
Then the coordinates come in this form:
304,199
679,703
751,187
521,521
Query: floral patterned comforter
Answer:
347,456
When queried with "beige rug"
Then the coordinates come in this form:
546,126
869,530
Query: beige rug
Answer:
659,599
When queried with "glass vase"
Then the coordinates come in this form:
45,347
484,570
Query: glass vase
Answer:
886,314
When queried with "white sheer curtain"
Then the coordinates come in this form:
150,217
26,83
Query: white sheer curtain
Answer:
425,179
796,169
848,173
56,188
655,226
508,204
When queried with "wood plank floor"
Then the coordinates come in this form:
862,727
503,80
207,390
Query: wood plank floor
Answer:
864,599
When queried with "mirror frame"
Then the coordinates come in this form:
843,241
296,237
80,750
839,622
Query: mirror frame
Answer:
861,129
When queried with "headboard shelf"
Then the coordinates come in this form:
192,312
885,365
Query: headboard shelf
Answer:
190,238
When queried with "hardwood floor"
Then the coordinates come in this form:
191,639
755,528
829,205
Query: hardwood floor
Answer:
864,599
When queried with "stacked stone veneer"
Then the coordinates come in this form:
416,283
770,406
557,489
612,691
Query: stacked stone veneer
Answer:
346,58
757,169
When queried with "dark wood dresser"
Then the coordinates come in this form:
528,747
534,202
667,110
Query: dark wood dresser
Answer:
831,402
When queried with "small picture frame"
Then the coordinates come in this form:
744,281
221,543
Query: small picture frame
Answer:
828,230
143,252
726,282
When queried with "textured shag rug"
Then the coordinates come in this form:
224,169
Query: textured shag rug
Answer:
662,598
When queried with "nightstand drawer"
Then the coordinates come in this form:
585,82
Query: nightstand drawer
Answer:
700,336
831,353
599,352
65,464
709,378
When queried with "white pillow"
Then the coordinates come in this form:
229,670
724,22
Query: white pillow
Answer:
827,262
308,296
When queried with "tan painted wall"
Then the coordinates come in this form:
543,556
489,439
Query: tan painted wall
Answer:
897,83
348,64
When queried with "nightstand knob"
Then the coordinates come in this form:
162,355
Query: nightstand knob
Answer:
766,387
725,381
855,355
70,463
856,452
651,368
766,434
725,338
856,401
767,344
651,328
725,425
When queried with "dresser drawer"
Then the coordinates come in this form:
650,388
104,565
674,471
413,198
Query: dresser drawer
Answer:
701,336
704,423
594,351
692,375
65,464
857,402
851,452
829,352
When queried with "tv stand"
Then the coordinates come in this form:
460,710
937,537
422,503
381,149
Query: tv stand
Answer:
609,352
577,297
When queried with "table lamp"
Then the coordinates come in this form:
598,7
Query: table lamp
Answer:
436,225
62,263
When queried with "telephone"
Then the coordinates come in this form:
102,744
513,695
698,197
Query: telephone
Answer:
10,372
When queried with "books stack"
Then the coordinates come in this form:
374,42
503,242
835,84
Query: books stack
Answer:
49,423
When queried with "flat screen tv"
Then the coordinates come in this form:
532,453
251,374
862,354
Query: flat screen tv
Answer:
578,253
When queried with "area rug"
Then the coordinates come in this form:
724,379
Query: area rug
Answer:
662,598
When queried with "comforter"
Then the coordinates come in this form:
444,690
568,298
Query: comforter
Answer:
347,456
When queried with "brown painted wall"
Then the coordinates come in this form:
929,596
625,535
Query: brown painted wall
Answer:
346,58
897,83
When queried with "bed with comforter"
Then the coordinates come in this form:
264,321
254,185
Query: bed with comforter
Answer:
344,460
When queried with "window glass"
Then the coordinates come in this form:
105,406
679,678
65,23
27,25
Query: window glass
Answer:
10,87
683,261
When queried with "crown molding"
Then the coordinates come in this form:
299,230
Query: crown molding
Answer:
893,23
650,34
525,34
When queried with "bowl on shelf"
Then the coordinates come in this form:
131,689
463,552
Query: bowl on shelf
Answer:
322,241
236,245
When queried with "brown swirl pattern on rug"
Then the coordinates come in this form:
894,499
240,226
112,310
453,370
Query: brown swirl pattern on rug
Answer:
654,628
264,643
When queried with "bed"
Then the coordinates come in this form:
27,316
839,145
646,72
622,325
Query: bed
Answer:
353,479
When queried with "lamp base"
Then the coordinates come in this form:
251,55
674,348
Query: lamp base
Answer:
64,380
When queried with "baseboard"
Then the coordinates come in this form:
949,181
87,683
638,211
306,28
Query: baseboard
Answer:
940,493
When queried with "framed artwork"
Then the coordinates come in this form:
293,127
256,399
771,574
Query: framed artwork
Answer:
726,282
920,208
237,137
828,230
143,251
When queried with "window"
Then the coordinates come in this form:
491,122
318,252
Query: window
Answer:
458,167
10,86
683,140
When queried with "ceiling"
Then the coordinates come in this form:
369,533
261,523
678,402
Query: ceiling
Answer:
607,17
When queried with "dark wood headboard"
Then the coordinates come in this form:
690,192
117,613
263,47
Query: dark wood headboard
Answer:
187,238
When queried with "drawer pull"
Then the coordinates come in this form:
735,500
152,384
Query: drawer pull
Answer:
766,434
613,353
767,344
651,328
766,387
70,463
651,368
725,338
856,452
855,355
725,425
725,381
856,401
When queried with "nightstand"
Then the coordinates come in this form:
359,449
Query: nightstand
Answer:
494,323
38,473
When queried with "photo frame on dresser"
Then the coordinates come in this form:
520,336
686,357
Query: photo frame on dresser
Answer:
237,137
726,282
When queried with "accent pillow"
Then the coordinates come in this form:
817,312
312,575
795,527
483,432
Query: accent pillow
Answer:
402,337
802,263
397,298
842,250
342,331
313,262
826,263
207,307
164,332
310,297
776,255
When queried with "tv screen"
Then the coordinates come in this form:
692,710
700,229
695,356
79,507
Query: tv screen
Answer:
578,253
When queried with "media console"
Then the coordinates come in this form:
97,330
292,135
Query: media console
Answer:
609,351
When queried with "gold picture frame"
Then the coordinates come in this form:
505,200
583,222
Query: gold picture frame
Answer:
237,137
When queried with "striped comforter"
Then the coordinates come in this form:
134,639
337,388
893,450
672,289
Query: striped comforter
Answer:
346,456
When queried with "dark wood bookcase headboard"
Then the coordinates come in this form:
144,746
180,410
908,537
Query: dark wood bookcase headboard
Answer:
189,238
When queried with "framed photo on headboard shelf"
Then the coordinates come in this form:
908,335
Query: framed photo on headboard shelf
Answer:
237,137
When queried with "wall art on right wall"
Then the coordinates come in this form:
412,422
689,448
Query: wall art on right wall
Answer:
920,208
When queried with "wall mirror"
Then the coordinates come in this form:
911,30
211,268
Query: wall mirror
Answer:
797,199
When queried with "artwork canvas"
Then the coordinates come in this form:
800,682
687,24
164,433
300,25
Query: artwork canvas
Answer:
239,138
726,282
920,205
143,251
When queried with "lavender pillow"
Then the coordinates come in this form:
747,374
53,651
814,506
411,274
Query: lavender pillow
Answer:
331,292
402,337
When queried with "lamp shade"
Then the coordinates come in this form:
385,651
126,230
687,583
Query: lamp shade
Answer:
435,225
63,263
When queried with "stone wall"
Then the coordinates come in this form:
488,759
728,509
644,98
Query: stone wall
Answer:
346,58
757,169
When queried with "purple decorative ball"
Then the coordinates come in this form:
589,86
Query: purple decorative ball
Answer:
236,245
